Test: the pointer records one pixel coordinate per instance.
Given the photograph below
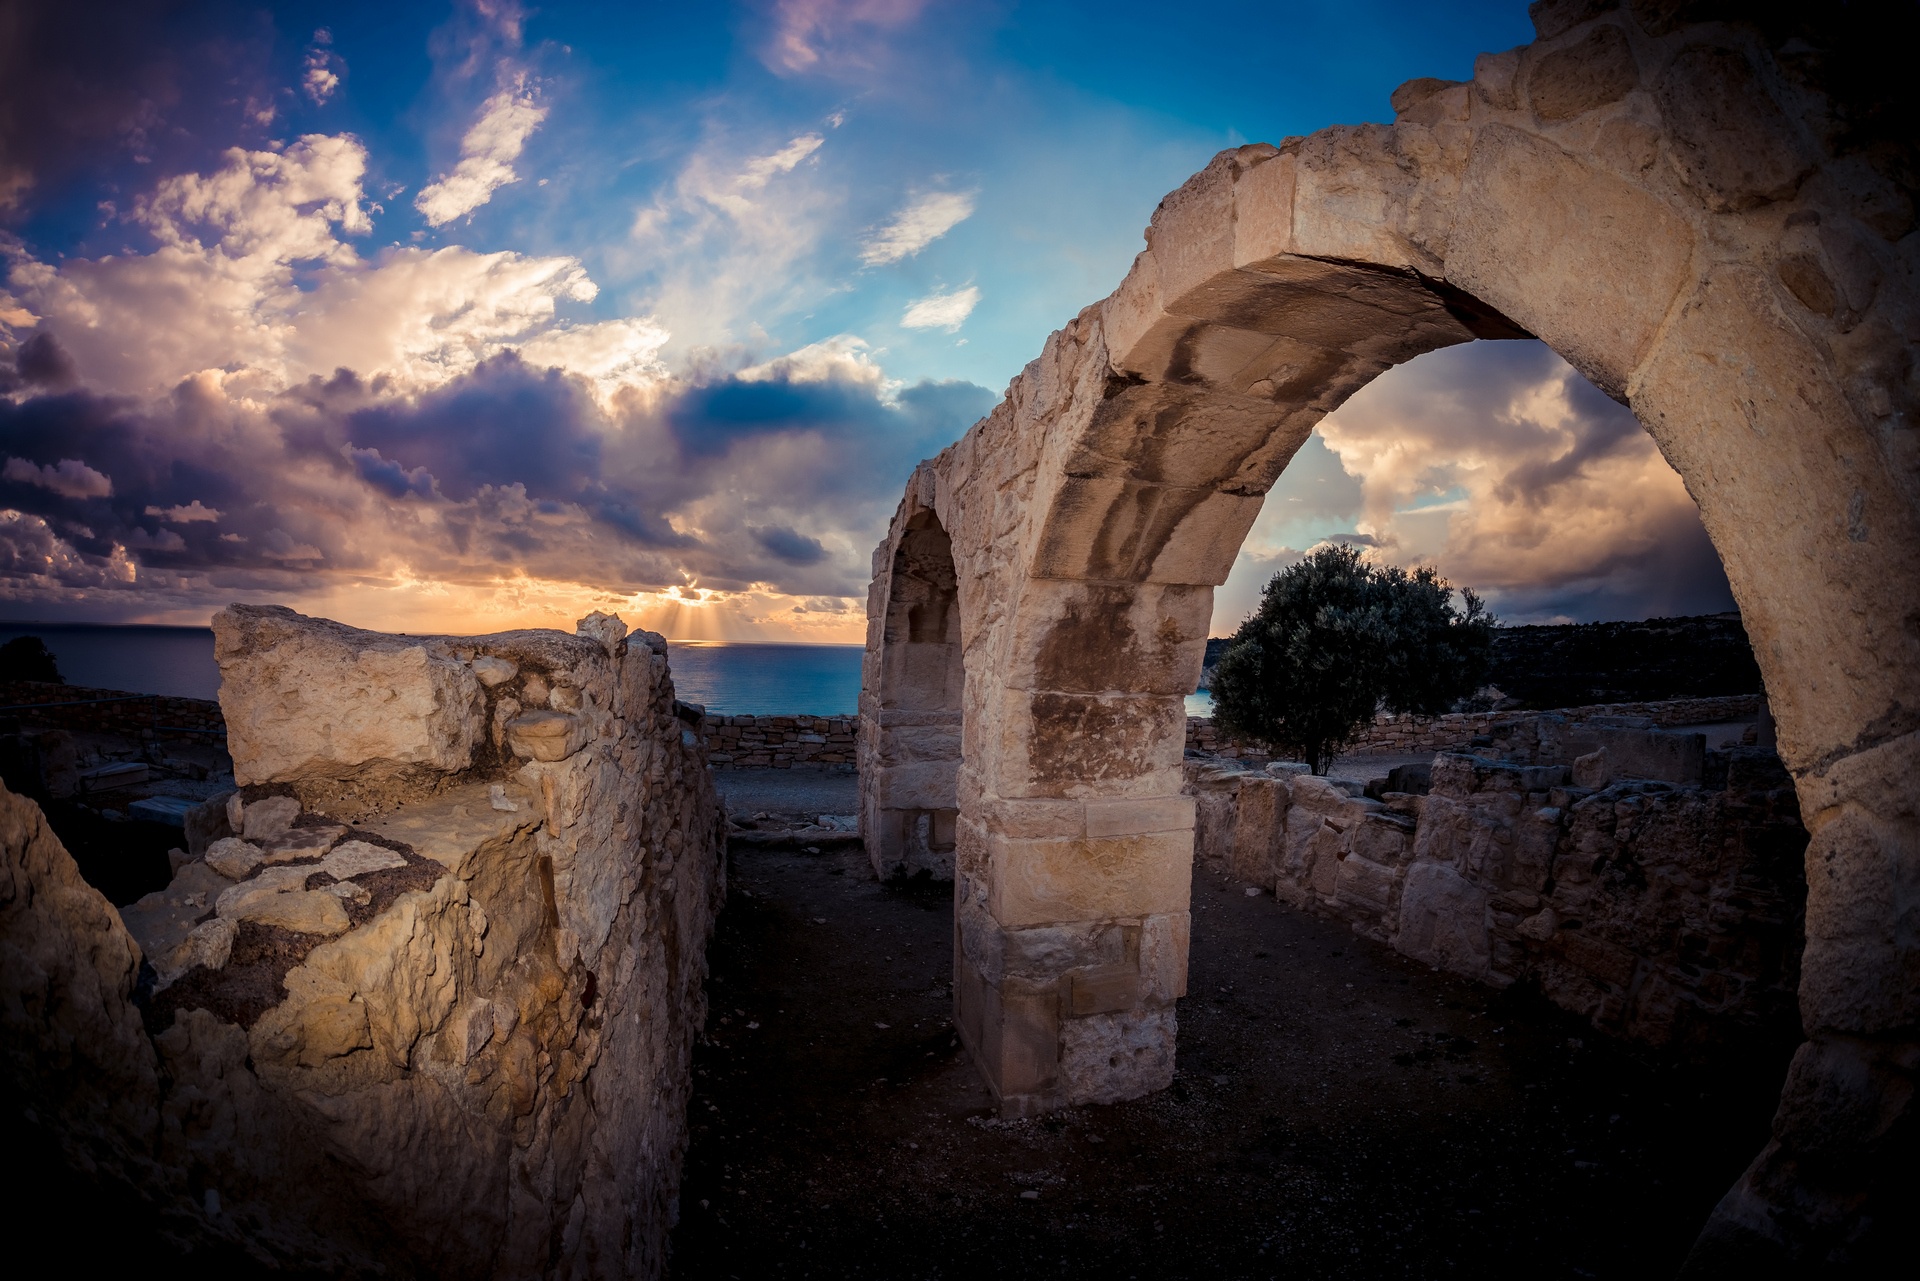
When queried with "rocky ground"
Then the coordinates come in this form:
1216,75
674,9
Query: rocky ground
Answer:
1339,1111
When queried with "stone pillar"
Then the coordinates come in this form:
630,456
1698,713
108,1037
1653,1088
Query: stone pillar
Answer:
1075,846
1833,1188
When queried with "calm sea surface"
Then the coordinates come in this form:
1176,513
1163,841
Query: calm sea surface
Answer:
142,660
730,679
761,680
815,680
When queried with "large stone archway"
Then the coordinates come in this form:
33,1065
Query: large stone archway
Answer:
1672,208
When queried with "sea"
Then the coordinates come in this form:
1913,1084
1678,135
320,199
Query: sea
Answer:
730,679
727,678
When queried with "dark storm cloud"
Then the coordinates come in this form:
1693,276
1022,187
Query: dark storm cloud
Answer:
1601,427
507,468
505,423
39,362
789,545
389,476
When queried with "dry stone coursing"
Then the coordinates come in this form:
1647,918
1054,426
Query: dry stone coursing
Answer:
430,1011
779,742
1458,731
1709,229
1668,913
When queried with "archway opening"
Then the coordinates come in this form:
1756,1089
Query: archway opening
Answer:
909,796
1626,685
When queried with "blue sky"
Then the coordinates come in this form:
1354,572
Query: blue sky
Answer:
477,315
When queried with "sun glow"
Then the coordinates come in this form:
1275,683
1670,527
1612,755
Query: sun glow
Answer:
418,605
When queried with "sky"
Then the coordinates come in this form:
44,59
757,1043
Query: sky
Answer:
466,316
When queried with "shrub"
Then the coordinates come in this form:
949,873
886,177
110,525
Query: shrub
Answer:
1335,640
27,658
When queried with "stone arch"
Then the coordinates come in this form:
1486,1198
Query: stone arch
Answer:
909,746
1671,208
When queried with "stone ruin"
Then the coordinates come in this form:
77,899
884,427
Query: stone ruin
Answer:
1710,222
1624,872
422,998
484,1069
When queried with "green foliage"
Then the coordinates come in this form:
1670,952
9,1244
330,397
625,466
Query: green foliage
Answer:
27,658
1335,640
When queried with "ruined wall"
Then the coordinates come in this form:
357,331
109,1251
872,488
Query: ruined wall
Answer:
427,1007
1669,913
110,711
1456,731
780,742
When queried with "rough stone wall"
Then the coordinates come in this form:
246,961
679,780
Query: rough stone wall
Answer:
780,742
1457,731
110,711
1665,913
424,1004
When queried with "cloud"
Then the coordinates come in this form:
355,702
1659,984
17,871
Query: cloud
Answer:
322,69
194,511
388,476
946,311
507,482
790,546
921,223
266,208
40,361
729,244
1500,465
70,478
833,36
487,154
760,170
252,278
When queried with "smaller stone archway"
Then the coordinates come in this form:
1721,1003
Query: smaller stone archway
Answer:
910,723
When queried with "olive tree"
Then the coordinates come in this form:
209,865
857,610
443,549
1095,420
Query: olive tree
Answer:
1335,640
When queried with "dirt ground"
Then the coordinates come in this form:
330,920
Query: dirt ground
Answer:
1338,1111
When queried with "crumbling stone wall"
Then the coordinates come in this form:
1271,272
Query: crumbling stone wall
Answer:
423,1001
1457,731
1666,912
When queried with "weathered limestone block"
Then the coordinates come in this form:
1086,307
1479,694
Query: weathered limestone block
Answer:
1443,920
482,977
344,698
161,922
1260,823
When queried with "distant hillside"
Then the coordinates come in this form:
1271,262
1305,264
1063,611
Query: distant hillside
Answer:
1582,663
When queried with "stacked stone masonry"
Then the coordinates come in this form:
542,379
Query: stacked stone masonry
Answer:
1667,910
110,711
1709,219
422,1000
1394,735
780,742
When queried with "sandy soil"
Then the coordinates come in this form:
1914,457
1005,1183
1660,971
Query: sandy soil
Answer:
1338,1112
